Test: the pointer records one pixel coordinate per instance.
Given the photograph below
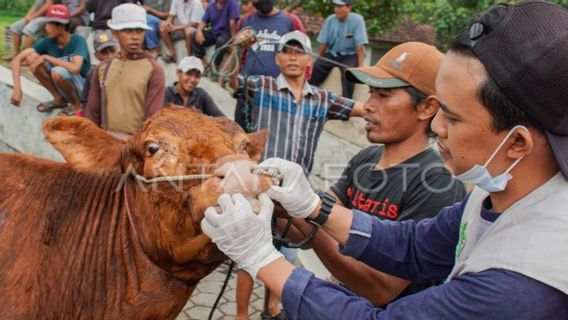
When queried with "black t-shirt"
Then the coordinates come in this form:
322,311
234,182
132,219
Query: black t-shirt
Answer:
198,98
416,189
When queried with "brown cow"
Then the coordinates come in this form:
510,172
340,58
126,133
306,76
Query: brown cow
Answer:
83,240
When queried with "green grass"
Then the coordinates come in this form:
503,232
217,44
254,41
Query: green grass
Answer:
5,21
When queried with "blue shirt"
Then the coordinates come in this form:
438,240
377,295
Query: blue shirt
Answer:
77,46
220,18
419,252
343,37
260,58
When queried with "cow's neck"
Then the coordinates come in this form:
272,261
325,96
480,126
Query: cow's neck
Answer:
87,248
166,230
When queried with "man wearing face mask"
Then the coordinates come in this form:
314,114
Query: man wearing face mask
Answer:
269,24
503,126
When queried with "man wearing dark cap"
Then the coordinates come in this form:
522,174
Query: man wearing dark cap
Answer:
59,61
503,127
342,39
106,48
400,178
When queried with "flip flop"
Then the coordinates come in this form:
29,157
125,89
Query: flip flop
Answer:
168,59
46,106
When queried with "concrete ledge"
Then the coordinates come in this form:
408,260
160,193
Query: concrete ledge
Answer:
20,128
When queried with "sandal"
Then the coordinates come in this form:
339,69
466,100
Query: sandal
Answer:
46,106
168,59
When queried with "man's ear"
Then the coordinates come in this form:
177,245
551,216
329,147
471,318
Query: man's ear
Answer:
84,145
255,144
523,144
428,108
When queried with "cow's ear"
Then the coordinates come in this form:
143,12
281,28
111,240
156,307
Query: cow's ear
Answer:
255,144
83,145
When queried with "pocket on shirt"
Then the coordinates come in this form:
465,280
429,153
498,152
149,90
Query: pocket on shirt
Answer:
348,41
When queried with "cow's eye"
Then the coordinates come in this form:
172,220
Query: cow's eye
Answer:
153,148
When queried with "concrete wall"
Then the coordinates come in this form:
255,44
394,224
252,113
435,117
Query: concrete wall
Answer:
20,127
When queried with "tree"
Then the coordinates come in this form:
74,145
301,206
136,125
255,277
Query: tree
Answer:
447,16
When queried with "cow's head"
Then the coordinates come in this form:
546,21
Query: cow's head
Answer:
175,141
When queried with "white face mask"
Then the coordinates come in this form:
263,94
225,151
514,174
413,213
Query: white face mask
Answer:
480,176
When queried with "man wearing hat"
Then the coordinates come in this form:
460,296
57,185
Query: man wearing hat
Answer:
503,127
106,48
129,88
402,178
294,112
342,39
185,92
59,61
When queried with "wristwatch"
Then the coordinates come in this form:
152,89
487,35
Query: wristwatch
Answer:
327,202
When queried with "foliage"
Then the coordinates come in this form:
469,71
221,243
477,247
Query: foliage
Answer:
15,7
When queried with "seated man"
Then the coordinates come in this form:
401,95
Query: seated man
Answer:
222,15
157,11
60,62
188,13
79,14
28,27
185,92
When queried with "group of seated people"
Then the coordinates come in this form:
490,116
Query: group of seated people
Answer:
60,59
169,20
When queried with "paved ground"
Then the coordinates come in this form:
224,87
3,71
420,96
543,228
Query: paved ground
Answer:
200,303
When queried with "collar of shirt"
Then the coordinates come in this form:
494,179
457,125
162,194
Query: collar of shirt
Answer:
281,84
133,56
176,93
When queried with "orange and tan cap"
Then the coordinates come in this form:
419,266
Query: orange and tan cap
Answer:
409,64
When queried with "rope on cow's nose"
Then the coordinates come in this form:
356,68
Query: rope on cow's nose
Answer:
272,173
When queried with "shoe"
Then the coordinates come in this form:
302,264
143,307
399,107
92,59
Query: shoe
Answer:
168,59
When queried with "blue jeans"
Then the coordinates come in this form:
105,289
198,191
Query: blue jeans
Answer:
76,79
32,29
152,36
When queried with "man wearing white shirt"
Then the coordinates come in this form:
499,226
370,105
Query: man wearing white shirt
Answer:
188,14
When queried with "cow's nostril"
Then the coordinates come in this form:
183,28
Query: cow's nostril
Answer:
153,148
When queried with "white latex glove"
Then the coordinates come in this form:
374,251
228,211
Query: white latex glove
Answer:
243,236
296,194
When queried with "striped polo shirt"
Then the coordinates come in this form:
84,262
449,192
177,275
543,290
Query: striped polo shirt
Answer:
295,126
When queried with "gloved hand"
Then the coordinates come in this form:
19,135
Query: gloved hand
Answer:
296,194
243,236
